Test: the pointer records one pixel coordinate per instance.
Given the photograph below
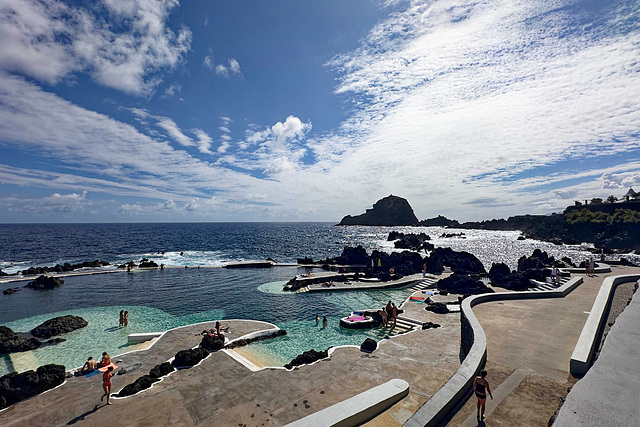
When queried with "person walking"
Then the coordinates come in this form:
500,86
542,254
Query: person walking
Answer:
394,313
481,388
106,384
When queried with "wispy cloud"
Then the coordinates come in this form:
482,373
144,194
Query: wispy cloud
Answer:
222,71
208,62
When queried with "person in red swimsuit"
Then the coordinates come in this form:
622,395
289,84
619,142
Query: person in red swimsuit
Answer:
106,384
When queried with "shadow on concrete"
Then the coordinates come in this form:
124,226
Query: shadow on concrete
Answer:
82,416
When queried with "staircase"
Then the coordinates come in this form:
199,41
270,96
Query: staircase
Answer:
540,286
404,324
426,283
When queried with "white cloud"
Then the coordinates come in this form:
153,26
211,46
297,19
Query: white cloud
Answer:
175,132
172,89
222,71
52,40
206,20
204,141
234,66
208,62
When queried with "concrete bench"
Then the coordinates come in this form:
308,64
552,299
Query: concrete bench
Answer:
585,349
357,409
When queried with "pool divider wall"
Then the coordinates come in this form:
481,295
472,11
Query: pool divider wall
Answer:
584,352
473,347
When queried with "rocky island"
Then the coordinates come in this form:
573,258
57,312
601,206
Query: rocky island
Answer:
391,210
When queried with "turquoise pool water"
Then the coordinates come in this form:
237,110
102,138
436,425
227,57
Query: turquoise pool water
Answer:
102,334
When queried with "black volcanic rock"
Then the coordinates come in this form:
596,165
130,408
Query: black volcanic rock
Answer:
464,285
437,307
188,358
212,344
161,370
460,262
391,210
142,383
15,387
44,282
430,325
498,271
2,273
353,256
306,358
440,221
58,325
369,345
513,281
10,342
10,291
145,263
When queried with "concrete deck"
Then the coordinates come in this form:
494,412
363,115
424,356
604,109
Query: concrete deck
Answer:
222,392
364,285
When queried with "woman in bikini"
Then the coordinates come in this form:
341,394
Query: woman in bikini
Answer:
480,388
106,384
106,360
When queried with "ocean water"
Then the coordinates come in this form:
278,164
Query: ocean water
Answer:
161,299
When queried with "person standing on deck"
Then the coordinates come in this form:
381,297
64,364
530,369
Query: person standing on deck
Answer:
480,388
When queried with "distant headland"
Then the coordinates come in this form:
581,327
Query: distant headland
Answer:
611,224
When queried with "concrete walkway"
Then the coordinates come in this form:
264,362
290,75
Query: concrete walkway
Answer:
609,394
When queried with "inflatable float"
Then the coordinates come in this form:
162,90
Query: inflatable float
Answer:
358,320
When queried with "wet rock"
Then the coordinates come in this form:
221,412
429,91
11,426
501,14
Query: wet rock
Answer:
142,383
305,260
212,343
2,273
460,284
161,370
59,325
15,387
306,358
53,341
45,282
369,345
145,263
10,342
10,291
188,358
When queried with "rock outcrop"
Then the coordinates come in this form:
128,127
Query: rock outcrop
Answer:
464,285
44,282
59,325
391,210
188,358
430,325
245,341
306,358
161,370
58,268
142,383
15,387
10,342
212,343
369,345
10,291
460,262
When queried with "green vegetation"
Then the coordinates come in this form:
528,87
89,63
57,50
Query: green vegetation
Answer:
584,216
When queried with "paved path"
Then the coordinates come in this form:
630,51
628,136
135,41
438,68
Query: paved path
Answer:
609,394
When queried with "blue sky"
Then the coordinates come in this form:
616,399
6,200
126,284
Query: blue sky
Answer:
145,110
